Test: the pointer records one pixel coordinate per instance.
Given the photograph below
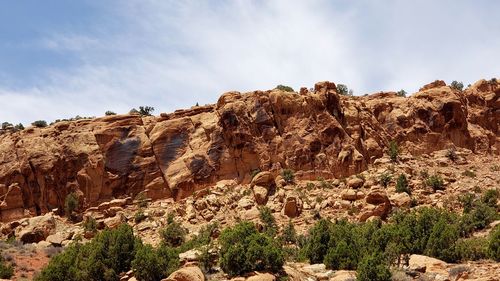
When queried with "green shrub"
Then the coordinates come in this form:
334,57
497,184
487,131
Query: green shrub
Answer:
6,125
243,250
401,93
490,197
109,113
289,234
284,88
6,269
19,127
343,90
173,235
146,110
385,179
471,249
435,182
142,200
482,215
467,202
90,225
451,153
342,256
288,175
103,258
373,268
267,218
151,264
317,242
393,151
457,85
40,123
139,216
402,185
71,203
441,243
494,244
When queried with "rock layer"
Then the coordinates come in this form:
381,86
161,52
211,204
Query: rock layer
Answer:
316,133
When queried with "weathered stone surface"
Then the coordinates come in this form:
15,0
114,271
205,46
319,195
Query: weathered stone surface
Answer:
189,273
317,134
37,229
292,207
262,277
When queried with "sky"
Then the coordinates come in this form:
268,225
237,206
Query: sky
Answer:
60,58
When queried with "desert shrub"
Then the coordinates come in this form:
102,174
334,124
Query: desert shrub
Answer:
39,123
19,127
471,249
469,173
467,201
317,242
342,256
482,215
284,88
90,224
6,269
267,218
151,264
142,200
402,184
490,197
373,268
289,234
146,110
288,175
139,216
343,90
109,113
71,203
457,85
401,93
385,179
441,241
435,182
393,150
6,125
451,154
494,244
243,249
173,235
103,258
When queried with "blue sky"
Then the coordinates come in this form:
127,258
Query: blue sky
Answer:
59,59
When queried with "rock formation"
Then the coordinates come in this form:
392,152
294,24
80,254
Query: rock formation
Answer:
316,133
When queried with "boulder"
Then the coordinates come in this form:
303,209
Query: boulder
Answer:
349,194
260,194
292,207
265,179
401,199
377,196
355,182
37,229
56,239
262,277
427,264
189,273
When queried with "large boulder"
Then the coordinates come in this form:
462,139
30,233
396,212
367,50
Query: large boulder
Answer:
292,207
377,196
427,264
262,277
188,273
37,229
260,194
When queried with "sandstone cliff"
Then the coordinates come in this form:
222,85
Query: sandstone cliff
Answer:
316,133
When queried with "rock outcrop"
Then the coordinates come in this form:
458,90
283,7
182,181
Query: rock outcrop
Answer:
316,133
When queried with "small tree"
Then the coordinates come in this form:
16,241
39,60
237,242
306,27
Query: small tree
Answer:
342,89
494,244
373,268
385,179
174,234
109,112
266,216
146,110
401,93
393,151
19,127
6,270
435,182
71,203
402,184
457,85
284,88
6,125
40,123
288,175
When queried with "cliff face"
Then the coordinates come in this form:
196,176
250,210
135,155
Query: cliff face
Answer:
316,134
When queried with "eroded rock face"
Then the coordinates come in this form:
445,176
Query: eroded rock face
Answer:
316,134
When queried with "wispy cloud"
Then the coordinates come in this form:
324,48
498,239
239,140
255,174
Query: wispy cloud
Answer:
172,54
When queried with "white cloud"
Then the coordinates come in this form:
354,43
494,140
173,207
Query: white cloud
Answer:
172,54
